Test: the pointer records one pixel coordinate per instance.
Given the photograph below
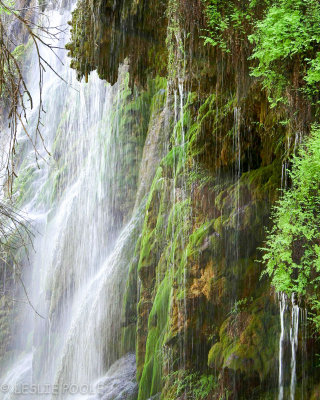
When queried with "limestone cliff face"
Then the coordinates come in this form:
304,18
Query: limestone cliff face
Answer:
202,322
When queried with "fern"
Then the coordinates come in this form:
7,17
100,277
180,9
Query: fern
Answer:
292,249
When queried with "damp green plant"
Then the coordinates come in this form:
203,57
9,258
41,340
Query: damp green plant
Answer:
191,385
283,38
240,305
224,18
286,39
292,250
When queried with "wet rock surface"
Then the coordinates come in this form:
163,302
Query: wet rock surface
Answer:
120,381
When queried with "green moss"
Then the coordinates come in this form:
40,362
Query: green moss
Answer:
215,356
248,342
196,239
191,384
150,383
104,25
22,185
129,310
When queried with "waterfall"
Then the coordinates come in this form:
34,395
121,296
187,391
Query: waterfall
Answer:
18,374
294,330
293,323
82,247
283,306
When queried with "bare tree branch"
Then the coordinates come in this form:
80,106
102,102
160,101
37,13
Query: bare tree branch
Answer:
13,85
16,100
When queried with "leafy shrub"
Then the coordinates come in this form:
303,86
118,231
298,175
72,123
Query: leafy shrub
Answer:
283,33
223,16
290,28
193,385
292,251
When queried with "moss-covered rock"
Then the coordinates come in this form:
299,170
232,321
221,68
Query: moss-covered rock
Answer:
210,170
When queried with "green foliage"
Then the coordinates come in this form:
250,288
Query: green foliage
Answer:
313,74
224,16
192,385
150,383
23,51
292,251
289,29
240,305
285,35
217,24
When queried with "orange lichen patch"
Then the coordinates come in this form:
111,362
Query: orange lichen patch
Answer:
202,285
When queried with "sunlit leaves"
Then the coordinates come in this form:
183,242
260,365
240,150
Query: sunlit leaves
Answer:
289,28
285,34
292,251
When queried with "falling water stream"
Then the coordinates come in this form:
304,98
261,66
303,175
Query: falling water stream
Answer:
289,331
294,330
80,263
283,306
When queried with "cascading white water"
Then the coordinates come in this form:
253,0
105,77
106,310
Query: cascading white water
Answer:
304,356
237,169
294,330
81,261
19,374
293,337
283,306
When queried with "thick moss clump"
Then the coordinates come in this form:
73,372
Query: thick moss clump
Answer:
248,340
104,34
